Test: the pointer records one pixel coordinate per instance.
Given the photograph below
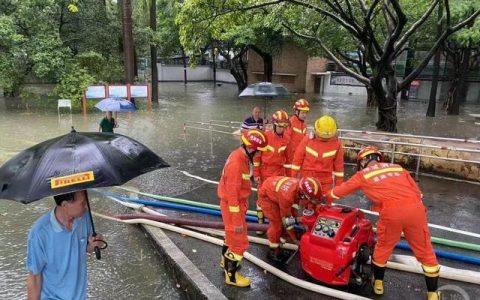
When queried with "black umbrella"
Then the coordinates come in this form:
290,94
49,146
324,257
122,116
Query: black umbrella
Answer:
74,162
265,90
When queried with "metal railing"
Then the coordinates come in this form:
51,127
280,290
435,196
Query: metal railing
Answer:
392,148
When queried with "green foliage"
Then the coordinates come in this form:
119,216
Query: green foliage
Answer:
202,21
101,69
73,82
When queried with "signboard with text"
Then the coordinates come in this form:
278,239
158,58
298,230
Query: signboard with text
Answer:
119,91
344,80
138,91
95,92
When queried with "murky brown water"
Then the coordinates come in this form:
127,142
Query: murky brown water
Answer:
130,268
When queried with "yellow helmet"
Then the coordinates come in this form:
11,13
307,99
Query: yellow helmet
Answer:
326,127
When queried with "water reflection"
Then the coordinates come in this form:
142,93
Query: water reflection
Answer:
131,268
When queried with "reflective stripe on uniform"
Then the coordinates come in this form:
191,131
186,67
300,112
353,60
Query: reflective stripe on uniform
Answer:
246,176
233,256
297,130
296,206
333,195
329,153
431,271
282,149
295,167
311,151
378,172
234,209
280,182
269,148
338,174
287,166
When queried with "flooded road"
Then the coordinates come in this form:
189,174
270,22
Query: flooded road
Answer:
130,267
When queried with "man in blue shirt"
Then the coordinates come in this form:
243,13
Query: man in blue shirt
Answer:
57,249
253,122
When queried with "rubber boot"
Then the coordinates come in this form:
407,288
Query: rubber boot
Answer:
432,285
261,219
277,255
222,259
232,277
431,274
433,296
377,279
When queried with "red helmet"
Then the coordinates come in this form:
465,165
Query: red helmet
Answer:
310,188
254,139
369,153
280,119
301,105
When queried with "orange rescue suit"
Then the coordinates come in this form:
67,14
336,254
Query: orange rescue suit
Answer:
296,131
233,190
393,190
319,159
271,162
277,197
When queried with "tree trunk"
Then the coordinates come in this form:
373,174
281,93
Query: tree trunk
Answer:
433,91
409,66
387,103
371,99
464,70
436,65
153,51
128,55
184,59
267,67
267,63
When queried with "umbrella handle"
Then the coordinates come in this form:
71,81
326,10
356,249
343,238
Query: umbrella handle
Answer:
98,255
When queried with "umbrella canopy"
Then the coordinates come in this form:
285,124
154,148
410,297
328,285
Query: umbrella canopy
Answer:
73,162
264,89
116,104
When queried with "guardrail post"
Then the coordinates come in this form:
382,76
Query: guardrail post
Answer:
211,136
393,152
417,169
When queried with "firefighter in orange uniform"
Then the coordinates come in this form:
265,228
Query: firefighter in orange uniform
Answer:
320,155
272,161
297,129
234,189
392,189
279,197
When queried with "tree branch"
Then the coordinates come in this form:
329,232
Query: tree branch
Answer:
415,26
393,37
350,72
322,11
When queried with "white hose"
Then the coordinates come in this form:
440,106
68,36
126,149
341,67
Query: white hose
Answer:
463,232
410,264
397,262
269,268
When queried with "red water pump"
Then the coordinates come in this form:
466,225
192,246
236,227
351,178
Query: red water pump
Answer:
337,245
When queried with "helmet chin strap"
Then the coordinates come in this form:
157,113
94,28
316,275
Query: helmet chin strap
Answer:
249,154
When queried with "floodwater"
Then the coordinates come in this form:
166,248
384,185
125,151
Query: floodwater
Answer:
130,267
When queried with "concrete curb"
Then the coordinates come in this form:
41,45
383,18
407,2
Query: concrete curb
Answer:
196,285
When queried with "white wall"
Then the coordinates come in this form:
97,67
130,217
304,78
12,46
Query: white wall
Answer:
200,73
